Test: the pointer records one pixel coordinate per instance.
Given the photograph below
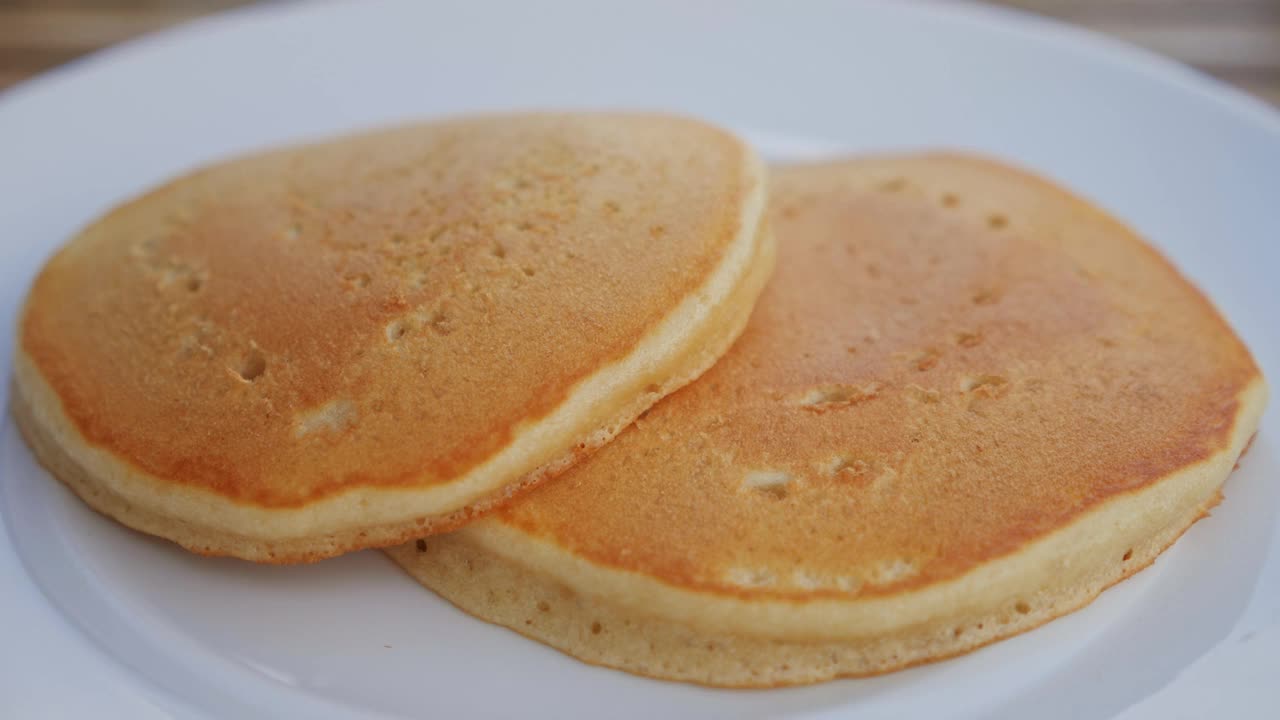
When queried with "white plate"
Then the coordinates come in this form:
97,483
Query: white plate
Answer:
98,621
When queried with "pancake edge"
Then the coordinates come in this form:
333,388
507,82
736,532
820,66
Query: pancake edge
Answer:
679,348
628,621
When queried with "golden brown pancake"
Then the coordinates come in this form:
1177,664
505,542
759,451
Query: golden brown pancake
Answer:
965,404
351,344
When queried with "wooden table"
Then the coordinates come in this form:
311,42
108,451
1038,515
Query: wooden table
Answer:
1235,40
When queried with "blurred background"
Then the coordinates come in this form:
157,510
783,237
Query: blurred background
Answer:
1237,41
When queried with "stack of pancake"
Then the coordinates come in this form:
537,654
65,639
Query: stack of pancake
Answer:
551,363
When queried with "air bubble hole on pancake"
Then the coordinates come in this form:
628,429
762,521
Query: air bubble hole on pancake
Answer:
253,365
833,396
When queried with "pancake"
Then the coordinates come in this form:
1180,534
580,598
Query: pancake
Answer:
315,350
966,403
